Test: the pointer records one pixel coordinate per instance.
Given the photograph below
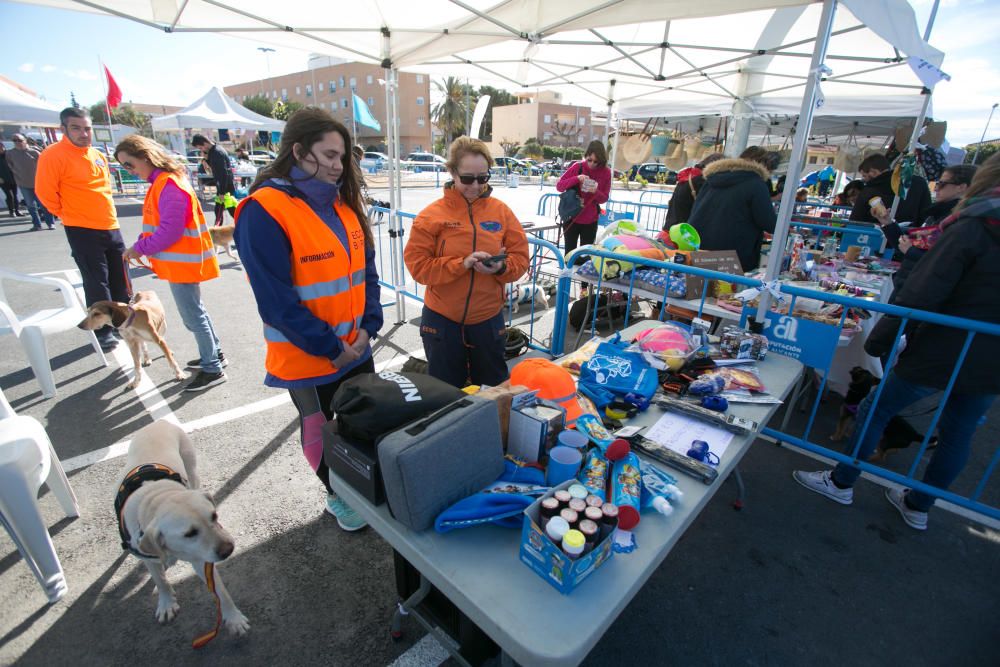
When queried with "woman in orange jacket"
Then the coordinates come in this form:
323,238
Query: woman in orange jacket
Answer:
465,247
175,238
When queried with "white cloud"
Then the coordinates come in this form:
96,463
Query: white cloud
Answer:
26,67
48,68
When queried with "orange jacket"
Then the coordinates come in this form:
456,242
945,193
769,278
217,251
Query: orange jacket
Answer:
444,234
75,186
192,258
330,281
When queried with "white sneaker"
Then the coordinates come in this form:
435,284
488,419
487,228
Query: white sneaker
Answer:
822,483
914,518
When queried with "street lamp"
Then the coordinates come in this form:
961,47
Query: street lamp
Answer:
267,58
985,129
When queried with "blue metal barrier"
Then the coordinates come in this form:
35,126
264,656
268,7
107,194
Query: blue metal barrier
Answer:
973,501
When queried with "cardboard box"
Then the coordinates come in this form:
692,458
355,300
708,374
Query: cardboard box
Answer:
548,560
356,464
534,425
723,261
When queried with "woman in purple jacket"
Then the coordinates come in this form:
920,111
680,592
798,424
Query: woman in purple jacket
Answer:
592,179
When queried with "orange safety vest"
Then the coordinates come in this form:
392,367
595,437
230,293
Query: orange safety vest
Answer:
329,281
192,258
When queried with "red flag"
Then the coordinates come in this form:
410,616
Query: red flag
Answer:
114,92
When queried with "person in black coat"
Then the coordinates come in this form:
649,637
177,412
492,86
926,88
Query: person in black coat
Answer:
8,185
689,183
734,208
957,277
875,171
222,173
949,188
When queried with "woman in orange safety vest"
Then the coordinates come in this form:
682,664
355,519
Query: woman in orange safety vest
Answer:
175,239
305,242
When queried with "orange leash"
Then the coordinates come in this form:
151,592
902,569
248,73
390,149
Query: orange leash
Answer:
201,641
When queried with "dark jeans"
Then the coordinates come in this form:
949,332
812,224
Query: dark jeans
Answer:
98,255
464,354
313,404
10,192
955,429
575,235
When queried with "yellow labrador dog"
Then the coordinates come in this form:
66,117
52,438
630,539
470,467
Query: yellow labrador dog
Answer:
164,517
140,321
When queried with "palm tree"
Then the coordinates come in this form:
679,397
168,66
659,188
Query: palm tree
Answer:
449,113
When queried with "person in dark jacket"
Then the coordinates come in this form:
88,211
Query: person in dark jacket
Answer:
875,171
949,189
689,183
222,173
734,208
8,185
954,278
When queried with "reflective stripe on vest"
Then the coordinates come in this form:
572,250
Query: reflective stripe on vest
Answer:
328,280
190,259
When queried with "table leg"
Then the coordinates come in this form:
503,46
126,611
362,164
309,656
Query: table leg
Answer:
741,488
409,607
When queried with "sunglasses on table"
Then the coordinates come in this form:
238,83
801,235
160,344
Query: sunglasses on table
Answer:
469,179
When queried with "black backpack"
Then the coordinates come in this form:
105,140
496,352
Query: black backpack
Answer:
570,203
370,405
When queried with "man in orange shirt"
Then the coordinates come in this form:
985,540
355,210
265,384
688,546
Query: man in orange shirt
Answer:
74,183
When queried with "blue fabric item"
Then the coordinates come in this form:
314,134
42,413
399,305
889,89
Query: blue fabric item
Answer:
363,115
502,503
613,370
265,253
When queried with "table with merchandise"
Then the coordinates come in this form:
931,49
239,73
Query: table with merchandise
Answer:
479,570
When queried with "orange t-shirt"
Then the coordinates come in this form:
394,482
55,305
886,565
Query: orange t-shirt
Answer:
75,185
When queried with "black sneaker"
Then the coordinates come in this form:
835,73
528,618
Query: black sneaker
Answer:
195,364
205,380
108,344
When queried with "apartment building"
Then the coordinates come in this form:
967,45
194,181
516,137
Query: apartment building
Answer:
328,84
543,116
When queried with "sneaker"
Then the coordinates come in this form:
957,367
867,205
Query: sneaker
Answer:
914,518
205,380
107,344
822,483
195,364
347,518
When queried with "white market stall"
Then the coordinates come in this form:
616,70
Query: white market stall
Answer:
603,52
19,108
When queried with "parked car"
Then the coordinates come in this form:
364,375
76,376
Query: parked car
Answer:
651,170
374,160
420,160
513,165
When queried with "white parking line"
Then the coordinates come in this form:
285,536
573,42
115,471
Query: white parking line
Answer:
159,409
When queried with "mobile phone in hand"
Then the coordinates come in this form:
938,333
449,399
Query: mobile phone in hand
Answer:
495,258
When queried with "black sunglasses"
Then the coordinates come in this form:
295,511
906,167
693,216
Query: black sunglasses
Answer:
128,165
469,179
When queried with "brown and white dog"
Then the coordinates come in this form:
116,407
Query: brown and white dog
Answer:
222,236
140,321
163,517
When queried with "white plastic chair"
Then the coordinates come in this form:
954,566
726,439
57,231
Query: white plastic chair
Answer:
32,329
27,460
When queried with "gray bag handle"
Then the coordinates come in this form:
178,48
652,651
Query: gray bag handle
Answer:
421,425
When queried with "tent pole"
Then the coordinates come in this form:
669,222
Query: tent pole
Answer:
614,146
741,129
775,257
611,103
919,124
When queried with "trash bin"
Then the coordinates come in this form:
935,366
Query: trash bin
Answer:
512,180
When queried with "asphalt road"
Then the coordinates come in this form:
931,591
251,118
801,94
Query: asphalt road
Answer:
792,579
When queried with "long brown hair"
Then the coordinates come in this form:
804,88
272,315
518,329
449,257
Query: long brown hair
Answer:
306,127
987,178
147,149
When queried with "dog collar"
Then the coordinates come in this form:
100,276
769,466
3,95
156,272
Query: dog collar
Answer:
128,320
136,477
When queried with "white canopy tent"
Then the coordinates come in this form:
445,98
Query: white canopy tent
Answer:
19,108
215,110
607,50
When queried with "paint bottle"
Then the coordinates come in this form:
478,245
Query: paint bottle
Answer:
609,521
594,514
573,543
594,500
577,491
570,517
562,495
556,529
590,532
626,484
578,505
549,509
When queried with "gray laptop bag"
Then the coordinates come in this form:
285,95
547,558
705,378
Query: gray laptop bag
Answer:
431,463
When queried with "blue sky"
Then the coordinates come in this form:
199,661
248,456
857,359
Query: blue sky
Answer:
56,51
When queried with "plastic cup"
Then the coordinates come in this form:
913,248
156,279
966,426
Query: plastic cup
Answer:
564,463
574,439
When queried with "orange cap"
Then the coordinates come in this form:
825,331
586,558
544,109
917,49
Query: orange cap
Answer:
553,382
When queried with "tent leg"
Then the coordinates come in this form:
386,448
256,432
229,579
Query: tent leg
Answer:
798,154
